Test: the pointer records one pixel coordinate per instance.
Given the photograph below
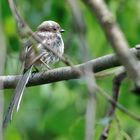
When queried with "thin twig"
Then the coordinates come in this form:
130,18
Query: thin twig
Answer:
111,110
119,106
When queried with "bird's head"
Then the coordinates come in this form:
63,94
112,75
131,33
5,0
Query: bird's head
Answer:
50,26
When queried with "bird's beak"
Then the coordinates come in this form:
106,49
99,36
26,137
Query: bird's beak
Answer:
62,30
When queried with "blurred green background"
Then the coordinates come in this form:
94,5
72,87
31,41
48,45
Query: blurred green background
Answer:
57,111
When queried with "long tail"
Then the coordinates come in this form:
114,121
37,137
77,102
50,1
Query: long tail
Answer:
17,96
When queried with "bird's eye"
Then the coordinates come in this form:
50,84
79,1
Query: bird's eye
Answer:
54,29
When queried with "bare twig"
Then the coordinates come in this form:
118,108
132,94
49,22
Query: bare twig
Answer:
116,38
111,110
119,106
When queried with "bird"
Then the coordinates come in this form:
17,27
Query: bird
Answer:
38,56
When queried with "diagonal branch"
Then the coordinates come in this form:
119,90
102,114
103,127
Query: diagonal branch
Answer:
67,73
115,37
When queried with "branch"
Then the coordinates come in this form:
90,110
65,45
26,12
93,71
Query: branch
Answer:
111,110
116,38
67,73
119,106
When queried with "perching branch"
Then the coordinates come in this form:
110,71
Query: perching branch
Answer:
67,73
